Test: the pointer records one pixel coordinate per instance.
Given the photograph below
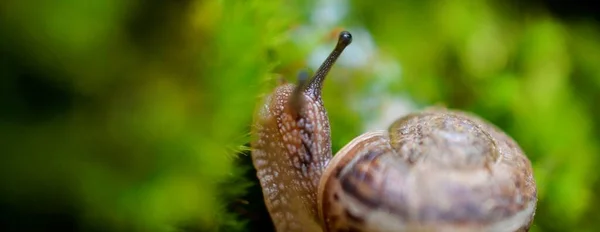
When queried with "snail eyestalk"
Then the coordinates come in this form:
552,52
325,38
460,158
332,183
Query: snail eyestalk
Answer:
296,97
316,82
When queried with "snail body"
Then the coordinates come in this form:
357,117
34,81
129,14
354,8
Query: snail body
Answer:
435,170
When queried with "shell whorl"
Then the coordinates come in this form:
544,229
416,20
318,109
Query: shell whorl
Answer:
431,171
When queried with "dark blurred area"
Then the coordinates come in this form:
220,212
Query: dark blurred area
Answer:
133,115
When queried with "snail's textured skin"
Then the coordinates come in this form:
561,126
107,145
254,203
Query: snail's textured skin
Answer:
290,152
444,171
292,147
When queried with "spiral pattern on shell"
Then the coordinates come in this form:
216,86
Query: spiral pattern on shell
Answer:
438,170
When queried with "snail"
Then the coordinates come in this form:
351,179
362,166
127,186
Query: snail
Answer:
434,170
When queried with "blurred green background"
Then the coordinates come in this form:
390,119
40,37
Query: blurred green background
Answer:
134,115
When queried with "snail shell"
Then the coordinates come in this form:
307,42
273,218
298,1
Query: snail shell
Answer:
438,170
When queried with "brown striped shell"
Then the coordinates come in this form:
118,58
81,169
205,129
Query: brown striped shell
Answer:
437,170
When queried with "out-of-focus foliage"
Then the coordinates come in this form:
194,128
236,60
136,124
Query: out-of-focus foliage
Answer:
132,112
129,114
